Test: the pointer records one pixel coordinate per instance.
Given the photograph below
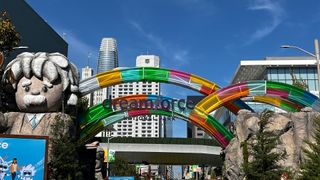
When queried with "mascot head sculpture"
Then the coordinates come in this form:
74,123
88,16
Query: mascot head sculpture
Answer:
41,81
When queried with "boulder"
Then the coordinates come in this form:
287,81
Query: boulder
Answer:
292,128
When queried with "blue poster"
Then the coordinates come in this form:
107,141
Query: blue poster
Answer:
25,157
121,178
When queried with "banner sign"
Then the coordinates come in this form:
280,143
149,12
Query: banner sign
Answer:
23,157
111,155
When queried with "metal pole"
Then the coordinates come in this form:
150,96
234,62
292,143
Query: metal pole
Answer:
316,47
108,145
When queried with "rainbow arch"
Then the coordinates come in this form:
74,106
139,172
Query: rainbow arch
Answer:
124,75
99,116
279,102
282,95
259,88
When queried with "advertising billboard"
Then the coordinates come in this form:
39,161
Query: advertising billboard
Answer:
23,157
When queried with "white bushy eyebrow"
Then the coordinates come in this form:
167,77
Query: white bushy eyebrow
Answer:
47,83
27,82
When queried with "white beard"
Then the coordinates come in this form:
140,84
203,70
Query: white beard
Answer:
34,100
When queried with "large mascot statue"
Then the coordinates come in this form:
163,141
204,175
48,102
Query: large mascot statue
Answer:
40,82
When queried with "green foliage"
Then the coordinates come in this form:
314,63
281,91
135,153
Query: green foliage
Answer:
9,37
261,148
121,167
213,174
63,162
245,153
82,104
299,83
310,169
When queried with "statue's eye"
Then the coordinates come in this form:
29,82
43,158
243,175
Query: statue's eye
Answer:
27,88
44,89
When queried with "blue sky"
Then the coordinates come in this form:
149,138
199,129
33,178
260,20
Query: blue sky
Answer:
203,37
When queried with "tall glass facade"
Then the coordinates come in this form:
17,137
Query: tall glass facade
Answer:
108,55
283,74
108,60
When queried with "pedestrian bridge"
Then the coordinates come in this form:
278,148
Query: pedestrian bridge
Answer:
173,151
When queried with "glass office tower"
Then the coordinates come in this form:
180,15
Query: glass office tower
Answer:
108,60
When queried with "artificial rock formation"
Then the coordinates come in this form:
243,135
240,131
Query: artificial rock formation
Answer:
293,129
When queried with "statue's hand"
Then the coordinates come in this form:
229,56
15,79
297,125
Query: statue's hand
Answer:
3,123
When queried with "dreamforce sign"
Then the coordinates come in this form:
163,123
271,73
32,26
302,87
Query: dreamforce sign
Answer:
156,103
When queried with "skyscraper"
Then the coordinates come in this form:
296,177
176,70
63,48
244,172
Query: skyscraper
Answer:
139,127
108,55
108,60
86,73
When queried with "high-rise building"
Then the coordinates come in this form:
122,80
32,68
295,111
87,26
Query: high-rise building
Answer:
86,73
108,60
108,55
139,127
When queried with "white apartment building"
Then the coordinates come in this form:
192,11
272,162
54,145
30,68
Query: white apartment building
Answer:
87,72
139,127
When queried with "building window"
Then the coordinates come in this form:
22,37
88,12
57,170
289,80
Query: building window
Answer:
147,61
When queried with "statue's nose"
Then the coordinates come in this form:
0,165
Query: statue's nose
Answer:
35,92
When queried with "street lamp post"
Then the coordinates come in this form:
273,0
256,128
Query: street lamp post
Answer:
316,56
108,146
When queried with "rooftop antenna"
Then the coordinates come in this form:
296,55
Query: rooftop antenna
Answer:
88,58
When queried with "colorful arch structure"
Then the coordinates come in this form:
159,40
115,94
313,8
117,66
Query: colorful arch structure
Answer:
275,90
100,116
124,75
279,102
281,95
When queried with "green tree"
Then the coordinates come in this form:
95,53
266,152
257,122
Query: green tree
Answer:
261,147
9,37
310,169
299,83
63,162
121,167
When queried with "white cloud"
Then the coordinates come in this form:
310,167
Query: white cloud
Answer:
178,55
276,12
